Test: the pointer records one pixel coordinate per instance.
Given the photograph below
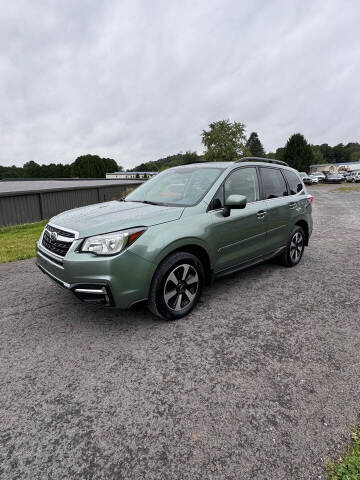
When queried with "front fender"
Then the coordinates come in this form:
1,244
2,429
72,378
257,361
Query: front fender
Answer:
161,240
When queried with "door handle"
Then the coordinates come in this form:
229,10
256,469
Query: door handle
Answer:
261,214
292,205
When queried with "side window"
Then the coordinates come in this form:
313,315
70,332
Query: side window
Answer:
293,181
243,181
273,183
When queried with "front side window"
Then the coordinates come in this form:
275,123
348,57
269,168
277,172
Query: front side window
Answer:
273,183
243,181
294,182
179,186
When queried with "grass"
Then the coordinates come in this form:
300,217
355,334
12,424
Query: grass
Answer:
18,242
350,188
348,466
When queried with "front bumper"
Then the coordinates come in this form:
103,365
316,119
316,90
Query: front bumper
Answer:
118,281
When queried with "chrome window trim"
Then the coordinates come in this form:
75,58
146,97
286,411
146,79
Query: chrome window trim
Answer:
248,203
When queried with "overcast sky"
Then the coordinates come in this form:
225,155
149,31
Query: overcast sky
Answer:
139,80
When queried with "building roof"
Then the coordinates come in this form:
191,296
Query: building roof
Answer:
340,163
15,186
131,173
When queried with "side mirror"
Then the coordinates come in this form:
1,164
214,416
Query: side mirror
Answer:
234,201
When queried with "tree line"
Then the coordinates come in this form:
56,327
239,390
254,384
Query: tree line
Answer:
222,141
85,166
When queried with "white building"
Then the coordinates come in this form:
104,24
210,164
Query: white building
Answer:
130,175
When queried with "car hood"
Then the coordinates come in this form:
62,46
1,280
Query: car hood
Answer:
111,216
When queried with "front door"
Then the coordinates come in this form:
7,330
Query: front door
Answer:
241,236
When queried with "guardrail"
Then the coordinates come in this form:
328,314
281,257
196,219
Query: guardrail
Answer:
28,206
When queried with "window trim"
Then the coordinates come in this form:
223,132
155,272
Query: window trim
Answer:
223,183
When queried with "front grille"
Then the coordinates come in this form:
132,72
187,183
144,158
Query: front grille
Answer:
55,245
63,233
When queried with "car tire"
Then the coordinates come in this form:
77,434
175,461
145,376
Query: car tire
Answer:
294,248
176,286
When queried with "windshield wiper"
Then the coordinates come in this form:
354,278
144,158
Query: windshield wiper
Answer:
152,203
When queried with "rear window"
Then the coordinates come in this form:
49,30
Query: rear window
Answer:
294,182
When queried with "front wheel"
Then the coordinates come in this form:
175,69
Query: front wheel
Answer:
294,248
176,286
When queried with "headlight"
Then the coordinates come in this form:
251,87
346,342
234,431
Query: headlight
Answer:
111,243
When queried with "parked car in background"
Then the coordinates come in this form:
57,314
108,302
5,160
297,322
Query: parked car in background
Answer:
305,178
319,175
334,178
314,179
345,175
353,177
177,232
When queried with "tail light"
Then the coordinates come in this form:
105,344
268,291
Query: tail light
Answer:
310,198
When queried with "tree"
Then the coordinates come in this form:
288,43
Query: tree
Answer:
110,165
297,153
88,166
317,154
328,153
32,170
93,166
255,146
224,141
11,172
355,156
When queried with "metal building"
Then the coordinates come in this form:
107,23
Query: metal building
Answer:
31,201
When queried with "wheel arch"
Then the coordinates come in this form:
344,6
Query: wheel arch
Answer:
196,249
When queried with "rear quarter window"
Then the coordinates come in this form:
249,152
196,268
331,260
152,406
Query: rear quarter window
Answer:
293,181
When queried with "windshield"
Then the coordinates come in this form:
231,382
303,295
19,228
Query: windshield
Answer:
180,186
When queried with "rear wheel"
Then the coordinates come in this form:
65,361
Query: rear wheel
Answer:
295,248
176,286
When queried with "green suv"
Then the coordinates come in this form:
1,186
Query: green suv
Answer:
177,232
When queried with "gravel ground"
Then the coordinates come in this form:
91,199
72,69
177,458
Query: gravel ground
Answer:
261,381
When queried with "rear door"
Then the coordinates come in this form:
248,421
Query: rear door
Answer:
241,236
278,207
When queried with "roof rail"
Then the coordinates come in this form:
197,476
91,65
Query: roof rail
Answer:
259,159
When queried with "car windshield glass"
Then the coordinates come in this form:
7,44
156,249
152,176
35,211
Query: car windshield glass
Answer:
183,186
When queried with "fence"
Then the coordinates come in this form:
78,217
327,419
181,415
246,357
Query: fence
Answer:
31,206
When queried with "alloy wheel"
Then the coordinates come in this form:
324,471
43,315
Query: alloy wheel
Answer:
296,247
181,287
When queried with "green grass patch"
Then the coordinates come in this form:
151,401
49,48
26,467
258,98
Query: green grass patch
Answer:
350,188
347,467
18,242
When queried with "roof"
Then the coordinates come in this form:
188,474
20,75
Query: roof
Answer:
247,161
205,164
329,164
131,173
17,186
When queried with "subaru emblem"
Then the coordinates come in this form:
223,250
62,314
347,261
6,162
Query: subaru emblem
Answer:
53,236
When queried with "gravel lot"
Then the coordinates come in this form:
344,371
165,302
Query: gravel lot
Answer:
261,381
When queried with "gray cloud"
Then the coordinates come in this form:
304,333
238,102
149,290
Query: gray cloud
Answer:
138,80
